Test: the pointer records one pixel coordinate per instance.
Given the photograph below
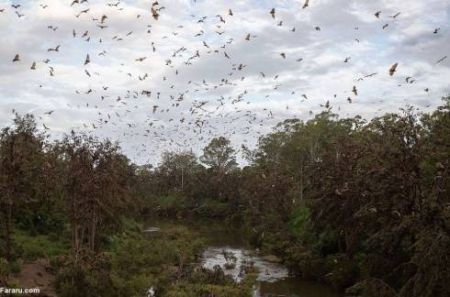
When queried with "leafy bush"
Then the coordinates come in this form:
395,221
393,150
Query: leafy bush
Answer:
39,246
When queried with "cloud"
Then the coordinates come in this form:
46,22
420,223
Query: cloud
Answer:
196,97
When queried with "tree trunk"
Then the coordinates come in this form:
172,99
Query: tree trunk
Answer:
8,230
302,186
350,243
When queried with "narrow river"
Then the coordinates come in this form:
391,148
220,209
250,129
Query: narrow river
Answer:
229,249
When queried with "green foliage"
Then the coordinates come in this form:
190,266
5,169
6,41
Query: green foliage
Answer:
299,224
212,208
88,278
196,290
46,220
219,155
170,203
39,246
203,282
133,263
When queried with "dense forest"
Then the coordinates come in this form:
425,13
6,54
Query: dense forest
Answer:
363,206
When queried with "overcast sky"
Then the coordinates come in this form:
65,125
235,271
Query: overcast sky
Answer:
196,91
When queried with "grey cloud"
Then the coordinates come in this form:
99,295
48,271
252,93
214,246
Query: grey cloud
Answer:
129,114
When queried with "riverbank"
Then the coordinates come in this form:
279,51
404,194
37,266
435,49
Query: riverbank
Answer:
229,247
133,263
177,258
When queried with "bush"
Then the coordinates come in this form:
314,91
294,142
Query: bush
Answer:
298,224
40,246
86,278
212,208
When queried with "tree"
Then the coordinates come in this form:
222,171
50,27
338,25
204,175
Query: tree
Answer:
178,170
22,162
219,155
97,185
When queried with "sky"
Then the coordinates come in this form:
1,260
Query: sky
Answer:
198,72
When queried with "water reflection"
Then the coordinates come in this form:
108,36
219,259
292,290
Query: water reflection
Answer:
273,279
242,261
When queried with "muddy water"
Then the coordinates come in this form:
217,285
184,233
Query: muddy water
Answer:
238,260
229,249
